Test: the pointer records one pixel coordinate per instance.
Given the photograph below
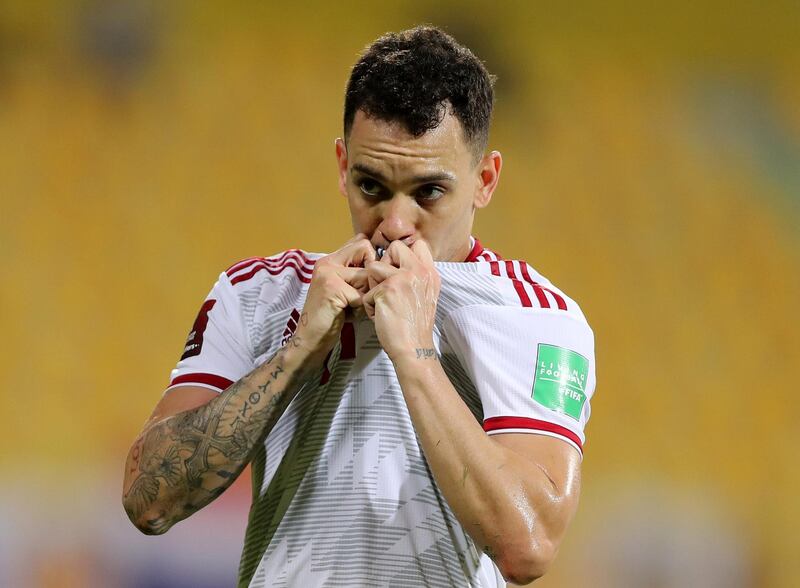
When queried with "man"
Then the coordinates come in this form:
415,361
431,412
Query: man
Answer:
384,394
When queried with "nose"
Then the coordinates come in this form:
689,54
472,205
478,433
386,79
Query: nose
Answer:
398,218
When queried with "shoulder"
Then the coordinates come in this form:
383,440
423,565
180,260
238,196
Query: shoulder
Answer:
290,266
507,286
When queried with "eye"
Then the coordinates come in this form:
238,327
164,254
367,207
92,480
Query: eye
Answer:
430,192
370,187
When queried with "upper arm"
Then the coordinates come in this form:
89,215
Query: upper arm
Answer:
559,463
180,399
548,472
533,369
217,353
218,350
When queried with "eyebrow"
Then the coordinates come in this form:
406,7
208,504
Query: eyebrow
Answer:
420,179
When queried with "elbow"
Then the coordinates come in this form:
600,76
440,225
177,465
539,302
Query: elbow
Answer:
152,527
148,522
522,562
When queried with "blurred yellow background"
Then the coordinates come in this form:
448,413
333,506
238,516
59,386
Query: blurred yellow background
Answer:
652,171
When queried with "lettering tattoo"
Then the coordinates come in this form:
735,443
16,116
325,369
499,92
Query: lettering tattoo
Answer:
426,353
184,462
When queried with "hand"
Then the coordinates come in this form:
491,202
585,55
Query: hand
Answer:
403,290
338,283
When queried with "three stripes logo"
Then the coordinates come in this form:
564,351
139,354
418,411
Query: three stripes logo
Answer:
524,285
291,326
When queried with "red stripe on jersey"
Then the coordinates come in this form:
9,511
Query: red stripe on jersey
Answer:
273,271
207,379
304,265
294,255
477,250
489,255
540,296
559,300
288,253
511,422
539,288
523,295
291,262
348,339
518,286
495,267
239,265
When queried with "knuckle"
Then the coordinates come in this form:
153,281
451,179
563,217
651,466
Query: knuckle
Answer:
325,280
395,284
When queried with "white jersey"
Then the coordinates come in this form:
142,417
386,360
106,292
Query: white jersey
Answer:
342,493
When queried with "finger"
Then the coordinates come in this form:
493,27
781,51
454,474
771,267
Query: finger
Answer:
422,251
357,277
352,297
355,253
354,238
400,255
370,299
377,272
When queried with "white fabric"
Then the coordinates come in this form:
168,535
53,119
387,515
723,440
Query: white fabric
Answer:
347,496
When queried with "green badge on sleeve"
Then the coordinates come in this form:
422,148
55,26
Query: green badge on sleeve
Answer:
560,380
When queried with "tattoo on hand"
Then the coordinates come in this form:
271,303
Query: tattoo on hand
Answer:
426,353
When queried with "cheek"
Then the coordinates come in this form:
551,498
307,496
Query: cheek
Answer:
454,211
362,215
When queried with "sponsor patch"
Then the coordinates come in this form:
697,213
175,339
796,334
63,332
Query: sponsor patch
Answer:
560,380
194,342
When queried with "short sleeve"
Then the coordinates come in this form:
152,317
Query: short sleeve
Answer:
534,370
217,352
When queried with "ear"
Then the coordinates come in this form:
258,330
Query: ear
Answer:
341,162
488,176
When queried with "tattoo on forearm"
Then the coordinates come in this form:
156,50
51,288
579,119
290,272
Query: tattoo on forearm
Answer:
186,461
426,353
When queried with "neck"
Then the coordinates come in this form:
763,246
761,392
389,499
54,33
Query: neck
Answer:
462,252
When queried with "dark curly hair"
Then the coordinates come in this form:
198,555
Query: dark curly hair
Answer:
414,77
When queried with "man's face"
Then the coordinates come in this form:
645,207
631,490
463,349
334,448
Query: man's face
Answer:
400,187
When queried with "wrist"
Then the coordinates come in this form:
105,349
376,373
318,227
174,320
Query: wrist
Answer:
415,357
299,351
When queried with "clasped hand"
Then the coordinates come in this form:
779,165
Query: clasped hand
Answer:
398,293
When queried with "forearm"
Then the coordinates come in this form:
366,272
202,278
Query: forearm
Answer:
180,464
511,508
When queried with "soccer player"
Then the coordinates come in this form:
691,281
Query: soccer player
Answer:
412,405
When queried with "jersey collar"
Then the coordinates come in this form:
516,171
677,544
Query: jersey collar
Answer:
477,249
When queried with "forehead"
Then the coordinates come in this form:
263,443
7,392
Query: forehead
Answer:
389,145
